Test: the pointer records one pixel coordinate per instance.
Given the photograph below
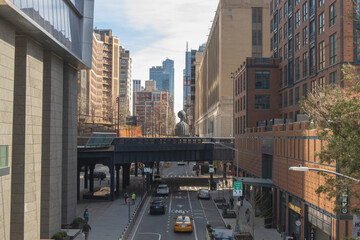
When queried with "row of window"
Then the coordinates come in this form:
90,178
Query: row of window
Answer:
311,64
240,125
287,98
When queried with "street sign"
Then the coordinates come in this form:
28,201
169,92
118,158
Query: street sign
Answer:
211,170
147,170
237,185
237,193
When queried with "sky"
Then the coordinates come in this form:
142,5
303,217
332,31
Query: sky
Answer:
153,30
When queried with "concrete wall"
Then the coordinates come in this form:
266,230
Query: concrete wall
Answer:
52,145
7,58
27,140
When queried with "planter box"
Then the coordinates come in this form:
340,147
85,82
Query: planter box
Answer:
229,214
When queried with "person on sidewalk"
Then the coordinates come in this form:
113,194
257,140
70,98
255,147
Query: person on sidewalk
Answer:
197,172
133,198
86,215
231,202
126,196
86,229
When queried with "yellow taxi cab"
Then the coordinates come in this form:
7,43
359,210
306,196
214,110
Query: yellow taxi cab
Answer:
183,224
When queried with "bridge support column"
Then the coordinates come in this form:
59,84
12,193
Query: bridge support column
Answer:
136,169
211,176
147,178
158,167
86,177
128,174
224,170
117,169
92,167
112,185
78,183
124,176
151,173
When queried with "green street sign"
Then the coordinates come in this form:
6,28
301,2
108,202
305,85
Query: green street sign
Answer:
237,185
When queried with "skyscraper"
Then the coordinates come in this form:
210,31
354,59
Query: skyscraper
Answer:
164,76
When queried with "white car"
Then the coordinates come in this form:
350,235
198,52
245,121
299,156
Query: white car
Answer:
181,163
162,189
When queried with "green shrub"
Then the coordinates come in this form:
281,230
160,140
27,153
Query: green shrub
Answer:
228,226
63,234
208,226
78,220
57,236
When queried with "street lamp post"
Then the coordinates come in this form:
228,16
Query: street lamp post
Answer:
237,227
306,169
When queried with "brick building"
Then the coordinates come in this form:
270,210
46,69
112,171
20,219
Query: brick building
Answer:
311,40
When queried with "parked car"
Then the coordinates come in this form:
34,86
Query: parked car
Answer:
157,178
157,206
99,175
182,163
183,224
203,194
162,189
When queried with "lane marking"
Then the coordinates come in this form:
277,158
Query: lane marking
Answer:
152,234
142,215
170,203
196,238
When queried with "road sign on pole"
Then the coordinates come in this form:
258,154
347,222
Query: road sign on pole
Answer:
147,170
237,192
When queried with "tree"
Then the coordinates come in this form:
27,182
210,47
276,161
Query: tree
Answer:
336,113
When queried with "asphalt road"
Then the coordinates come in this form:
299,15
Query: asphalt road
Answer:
182,200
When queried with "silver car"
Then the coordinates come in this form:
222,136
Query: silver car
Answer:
203,194
162,189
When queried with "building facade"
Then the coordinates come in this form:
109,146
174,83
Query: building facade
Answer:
154,112
38,113
150,85
239,30
136,88
164,76
125,86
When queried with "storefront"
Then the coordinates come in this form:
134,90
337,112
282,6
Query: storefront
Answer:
294,218
319,225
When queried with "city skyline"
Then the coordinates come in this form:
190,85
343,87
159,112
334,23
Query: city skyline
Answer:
156,31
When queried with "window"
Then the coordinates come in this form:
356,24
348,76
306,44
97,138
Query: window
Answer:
280,35
280,100
313,86
297,96
305,90
297,69
321,55
262,101
305,11
280,54
321,23
321,82
262,79
256,37
332,15
305,64
4,161
280,16
333,49
297,2
333,78
312,30
285,76
281,78
244,103
321,2
312,61
290,30
285,51
285,9
285,99
271,7
285,30
297,42
244,82
297,19
305,36
291,98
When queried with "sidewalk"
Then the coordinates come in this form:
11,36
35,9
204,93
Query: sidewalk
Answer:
109,219
261,233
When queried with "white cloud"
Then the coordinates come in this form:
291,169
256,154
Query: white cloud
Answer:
173,23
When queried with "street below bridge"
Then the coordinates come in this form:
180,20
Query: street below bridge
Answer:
182,200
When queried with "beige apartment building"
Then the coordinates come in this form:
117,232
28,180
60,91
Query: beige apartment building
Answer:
124,93
240,29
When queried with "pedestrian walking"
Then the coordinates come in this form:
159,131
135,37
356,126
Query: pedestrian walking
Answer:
231,202
126,196
86,215
86,229
133,197
215,170
197,172
226,182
